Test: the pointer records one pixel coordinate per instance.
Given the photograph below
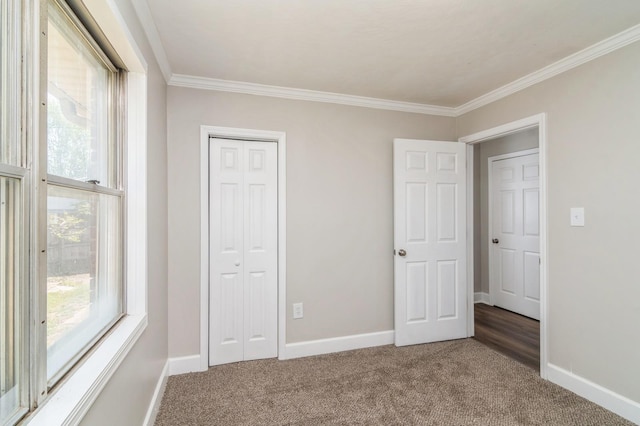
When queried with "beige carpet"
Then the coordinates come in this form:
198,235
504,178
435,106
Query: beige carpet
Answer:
451,383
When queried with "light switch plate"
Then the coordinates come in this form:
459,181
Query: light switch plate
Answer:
577,216
298,311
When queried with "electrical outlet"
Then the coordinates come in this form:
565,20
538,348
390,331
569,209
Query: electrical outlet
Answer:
297,311
577,216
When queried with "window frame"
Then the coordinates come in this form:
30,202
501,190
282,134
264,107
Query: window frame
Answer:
16,167
68,401
115,135
22,392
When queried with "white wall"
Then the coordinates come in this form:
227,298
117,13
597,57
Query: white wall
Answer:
593,118
514,142
339,208
126,398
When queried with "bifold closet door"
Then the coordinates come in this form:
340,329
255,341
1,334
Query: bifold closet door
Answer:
243,250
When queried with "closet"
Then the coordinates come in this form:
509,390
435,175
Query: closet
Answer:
243,250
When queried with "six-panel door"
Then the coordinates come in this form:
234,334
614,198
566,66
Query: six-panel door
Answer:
430,228
515,245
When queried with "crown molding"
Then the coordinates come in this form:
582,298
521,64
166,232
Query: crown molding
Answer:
194,82
590,53
148,25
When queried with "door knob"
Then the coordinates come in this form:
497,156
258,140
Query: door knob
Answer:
402,252
237,263
495,241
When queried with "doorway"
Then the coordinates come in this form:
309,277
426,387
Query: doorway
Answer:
253,139
243,250
506,318
528,133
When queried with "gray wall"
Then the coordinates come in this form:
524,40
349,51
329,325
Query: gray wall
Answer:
126,398
340,237
593,114
520,141
339,208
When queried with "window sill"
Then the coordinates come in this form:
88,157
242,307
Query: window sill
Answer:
73,398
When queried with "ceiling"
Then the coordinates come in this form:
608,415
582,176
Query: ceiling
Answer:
434,52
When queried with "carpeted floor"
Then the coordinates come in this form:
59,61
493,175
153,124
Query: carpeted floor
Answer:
450,383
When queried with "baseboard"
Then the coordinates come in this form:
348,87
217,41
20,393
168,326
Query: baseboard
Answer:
481,297
622,406
184,364
337,344
154,406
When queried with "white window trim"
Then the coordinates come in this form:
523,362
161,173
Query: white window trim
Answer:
69,401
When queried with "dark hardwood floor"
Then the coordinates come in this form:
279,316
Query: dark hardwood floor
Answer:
514,335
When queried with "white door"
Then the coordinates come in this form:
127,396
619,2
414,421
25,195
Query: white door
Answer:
515,233
430,241
243,249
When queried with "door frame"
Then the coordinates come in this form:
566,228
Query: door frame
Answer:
539,121
280,138
490,208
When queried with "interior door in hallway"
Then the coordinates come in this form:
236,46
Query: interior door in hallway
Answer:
515,232
243,250
429,241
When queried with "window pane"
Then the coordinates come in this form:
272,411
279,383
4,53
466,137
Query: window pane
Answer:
9,85
84,279
79,136
10,330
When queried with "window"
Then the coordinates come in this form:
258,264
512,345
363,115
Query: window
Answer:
63,212
11,332
13,176
84,195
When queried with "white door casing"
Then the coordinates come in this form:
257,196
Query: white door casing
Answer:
539,121
514,232
430,226
243,251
